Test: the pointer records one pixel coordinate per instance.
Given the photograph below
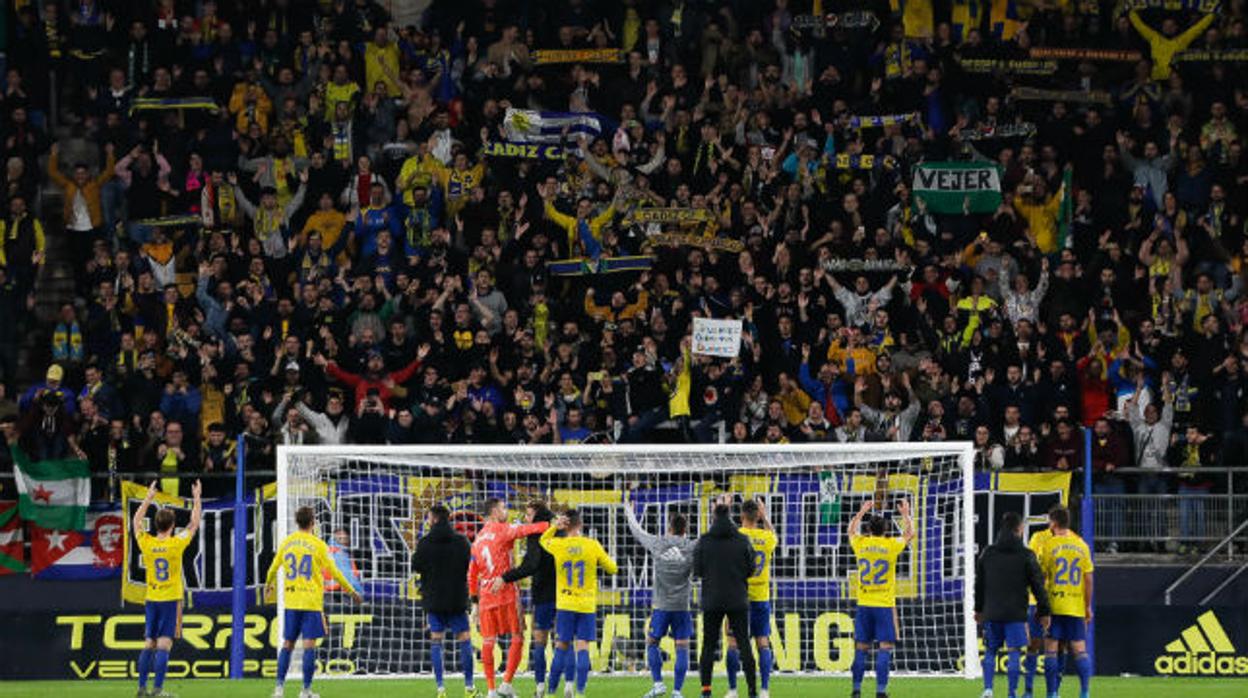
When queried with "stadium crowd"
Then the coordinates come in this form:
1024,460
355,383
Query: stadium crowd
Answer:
283,222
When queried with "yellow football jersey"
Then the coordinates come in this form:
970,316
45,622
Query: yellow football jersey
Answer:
303,560
162,558
577,560
764,543
1066,564
1038,541
876,577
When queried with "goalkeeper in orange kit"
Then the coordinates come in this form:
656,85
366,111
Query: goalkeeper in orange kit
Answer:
498,601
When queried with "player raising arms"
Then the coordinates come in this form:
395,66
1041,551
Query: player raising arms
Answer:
539,565
673,591
304,560
756,527
441,559
162,561
577,560
876,619
1067,567
499,602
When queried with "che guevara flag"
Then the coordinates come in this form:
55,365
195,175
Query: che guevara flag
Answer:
52,493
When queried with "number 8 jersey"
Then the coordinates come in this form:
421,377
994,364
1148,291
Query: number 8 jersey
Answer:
303,560
162,558
876,576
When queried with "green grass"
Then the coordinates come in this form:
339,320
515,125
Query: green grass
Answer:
782,687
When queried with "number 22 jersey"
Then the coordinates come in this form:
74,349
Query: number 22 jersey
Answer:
876,575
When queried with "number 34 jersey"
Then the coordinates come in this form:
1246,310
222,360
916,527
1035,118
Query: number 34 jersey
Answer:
162,558
577,560
876,576
302,561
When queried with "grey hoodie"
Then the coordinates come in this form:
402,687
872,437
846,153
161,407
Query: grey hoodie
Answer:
673,566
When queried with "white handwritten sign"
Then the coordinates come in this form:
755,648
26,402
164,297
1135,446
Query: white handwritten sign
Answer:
716,337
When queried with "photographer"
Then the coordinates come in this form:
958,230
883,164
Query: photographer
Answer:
46,428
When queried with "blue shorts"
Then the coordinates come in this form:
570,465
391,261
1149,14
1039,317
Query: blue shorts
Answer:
1068,629
1011,636
310,625
161,619
1034,629
678,624
570,625
873,624
456,623
760,619
544,615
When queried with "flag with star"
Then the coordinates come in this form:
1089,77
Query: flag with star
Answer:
52,493
94,552
12,545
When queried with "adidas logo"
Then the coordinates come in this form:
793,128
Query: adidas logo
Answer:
1202,650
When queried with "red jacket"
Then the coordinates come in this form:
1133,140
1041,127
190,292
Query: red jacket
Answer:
384,385
1094,394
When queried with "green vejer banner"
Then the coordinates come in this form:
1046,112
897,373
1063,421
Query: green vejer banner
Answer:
958,187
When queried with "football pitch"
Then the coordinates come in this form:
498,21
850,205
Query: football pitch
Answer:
634,687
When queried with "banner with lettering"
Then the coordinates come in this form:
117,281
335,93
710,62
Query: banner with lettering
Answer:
1238,55
208,563
1096,55
882,120
958,187
528,151
716,337
1016,66
585,55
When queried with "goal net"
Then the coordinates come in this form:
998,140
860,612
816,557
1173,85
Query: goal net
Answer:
370,503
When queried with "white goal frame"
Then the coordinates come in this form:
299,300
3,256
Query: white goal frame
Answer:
836,452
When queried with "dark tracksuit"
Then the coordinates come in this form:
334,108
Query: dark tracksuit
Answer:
724,559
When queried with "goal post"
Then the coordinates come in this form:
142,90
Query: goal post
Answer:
370,503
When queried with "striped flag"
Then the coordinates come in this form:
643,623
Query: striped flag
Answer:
12,556
95,552
829,499
530,126
52,493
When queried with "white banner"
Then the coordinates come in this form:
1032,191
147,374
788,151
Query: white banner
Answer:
716,337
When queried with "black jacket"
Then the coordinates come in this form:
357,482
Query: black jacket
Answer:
724,559
538,564
1004,573
441,560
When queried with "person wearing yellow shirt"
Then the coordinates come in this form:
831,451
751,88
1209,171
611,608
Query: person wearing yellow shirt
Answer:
876,584
303,560
1035,630
1040,210
341,88
584,232
162,561
762,536
1168,42
456,181
1067,566
577,561
381,62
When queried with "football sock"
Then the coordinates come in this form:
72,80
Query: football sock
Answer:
681,668
733,659
582,670
654,659
883,664
515,652
859,668
466,661
765,661
1011,672
309,666
162,664
435,655
487,661
145,666
537,660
